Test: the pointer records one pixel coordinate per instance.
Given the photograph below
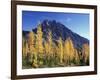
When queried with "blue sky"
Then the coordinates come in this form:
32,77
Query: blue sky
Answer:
78,23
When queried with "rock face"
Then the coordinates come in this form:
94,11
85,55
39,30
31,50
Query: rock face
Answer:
59,30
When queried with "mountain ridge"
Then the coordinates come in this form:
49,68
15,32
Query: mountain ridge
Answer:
59,30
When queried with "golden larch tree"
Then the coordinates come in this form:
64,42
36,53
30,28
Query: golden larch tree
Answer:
60,46
39,36
85,53
25,48
46,46
50,43
31,44
77,57
68,51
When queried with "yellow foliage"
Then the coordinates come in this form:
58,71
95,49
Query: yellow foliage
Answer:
31,42
62,52
85,52
77,58
25,48
50,42
46,48
39,36
68,50
60,46
32,48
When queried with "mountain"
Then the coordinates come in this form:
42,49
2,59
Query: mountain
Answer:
59,30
